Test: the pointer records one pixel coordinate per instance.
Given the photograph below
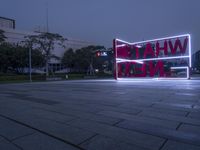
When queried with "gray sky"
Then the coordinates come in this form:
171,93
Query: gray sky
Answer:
100,21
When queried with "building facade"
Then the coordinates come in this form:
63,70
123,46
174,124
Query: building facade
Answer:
196,61
15,36
7,23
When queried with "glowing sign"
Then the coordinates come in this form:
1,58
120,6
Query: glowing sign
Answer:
101,53
168,57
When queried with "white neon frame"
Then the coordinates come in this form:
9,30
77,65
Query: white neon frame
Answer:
148,59
183,67
127,60
119,60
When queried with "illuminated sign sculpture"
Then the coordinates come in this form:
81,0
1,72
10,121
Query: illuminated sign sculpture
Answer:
168,57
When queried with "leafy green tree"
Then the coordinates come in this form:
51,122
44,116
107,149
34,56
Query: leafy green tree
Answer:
18,59
110,59
82,59
5,54
45,42
2,36
68,58
85,57
15,58
38,59
11,57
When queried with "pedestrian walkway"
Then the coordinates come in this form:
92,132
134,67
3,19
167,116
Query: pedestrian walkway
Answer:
100,115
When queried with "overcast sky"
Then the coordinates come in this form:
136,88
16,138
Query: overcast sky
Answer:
100,21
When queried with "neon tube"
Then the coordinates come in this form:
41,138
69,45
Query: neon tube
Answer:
183,67
148,59
118,60
159,39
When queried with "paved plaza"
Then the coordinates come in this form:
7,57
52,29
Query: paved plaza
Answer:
100,115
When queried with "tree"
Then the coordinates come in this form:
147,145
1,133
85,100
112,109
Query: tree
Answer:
38,59
12,57
45,42
85,57
68,58
15,58
5,54
2,36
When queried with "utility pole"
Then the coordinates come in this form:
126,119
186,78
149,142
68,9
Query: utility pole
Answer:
30,64
47,17
47,30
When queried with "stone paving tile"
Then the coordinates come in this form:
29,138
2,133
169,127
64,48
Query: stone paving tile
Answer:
195,115
71,113
167,111
142,119
174,106
159,110
133,111
105,143
134,104
190,128
131,137
191,138
38,141
62,131
13,130
173,101
197,107
14,107
52,116
65,132
6,145
84,115
177,105
170,117
18,114
170,99
13,104
26,97
79,108
173,145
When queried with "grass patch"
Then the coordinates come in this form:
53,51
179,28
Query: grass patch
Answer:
13,78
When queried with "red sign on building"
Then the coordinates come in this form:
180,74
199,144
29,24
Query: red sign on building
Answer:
168,57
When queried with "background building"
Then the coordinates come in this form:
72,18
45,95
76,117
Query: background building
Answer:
196,61
15,36
7,23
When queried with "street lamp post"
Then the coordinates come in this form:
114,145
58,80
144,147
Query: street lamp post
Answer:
30,67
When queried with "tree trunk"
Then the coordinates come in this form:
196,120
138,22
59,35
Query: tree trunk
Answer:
47,69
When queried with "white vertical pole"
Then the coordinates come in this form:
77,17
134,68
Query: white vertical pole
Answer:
30,66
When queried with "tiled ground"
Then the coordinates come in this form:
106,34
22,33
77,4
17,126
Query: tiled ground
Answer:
101,115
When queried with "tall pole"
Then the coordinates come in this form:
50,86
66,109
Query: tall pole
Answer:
47,17
30,66
47,26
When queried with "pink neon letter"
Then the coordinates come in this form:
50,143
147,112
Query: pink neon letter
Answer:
148,51
158,48
159,67
178,44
